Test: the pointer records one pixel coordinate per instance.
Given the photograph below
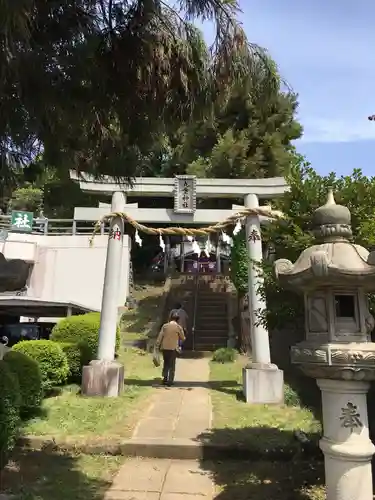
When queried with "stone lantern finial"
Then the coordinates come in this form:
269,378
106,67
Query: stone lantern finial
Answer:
332,222
330,198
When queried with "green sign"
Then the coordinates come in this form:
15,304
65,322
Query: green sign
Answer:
22,221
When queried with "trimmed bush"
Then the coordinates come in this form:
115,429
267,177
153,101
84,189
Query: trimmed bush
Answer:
73,355
29,378
291,397
82,330
50,358
10,401
224,355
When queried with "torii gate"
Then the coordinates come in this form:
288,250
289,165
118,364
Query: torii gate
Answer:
262,381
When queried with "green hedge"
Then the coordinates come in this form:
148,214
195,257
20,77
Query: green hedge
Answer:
73,355
82,330
10,401
50,358
29,378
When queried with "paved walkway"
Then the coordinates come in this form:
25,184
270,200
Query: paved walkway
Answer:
182,411
175,415
156,479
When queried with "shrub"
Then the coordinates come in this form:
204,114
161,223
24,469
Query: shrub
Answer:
73,355
224,355
239,263
50,358
10,401
82,330
29,378
291,397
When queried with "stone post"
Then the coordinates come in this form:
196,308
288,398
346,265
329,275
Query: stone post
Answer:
263,382
346,444
257,304
108,317
104,376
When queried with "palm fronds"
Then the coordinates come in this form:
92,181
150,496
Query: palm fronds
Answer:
94,80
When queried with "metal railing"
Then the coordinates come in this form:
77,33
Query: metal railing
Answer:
195,310
18,293
55,227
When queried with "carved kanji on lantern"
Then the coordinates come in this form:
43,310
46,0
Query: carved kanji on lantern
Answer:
350,417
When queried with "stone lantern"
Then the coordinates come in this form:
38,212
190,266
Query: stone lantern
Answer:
335,275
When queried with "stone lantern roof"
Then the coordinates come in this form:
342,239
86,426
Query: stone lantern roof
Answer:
335,261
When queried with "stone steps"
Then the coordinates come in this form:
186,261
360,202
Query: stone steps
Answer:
212,297
206,304
201,332
210,305
211,347
219,318
211,328
211,324
201,327
210,334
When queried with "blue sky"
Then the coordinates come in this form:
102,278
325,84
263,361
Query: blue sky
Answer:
325,49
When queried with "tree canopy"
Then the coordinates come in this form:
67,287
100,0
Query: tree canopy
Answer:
249,134
91,83
251,137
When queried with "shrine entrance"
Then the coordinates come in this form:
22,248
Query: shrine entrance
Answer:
197,244
199,256
202,254
200,264
198,223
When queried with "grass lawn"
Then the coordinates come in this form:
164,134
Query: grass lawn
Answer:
244,480
260,427
136,323
37,475
70,417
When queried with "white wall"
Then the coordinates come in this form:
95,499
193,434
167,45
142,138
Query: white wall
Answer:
66,268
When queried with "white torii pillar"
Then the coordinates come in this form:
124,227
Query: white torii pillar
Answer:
104,376
263,382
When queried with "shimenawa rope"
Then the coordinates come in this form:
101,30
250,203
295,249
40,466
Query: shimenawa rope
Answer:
186,231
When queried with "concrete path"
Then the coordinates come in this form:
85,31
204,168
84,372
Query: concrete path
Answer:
176,416
155,479
182,411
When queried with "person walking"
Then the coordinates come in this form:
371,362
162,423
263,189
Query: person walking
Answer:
171,334
184,319
183,315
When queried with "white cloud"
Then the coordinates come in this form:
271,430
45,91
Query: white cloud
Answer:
337,130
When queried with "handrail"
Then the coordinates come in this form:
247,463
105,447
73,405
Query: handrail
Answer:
195,308
55,227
